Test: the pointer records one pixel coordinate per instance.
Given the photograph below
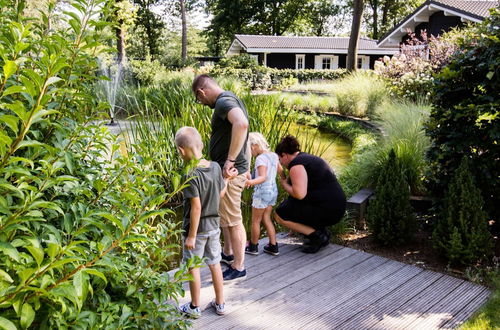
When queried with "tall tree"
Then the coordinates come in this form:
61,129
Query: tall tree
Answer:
124,17
319,13
150,25
382,15
269,17
182,5
352,51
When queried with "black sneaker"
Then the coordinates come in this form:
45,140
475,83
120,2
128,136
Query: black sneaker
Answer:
318,240
234,274
271,249
226,259
252,249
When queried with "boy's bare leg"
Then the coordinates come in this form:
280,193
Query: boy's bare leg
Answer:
227,249
195,286
238,240
217,281
271,232
256,219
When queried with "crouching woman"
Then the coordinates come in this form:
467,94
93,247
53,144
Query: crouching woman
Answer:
315,200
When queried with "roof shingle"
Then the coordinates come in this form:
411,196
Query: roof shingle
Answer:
262,41
475,7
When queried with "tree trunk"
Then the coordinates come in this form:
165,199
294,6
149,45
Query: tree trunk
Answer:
352,52
374,5
120,43
184,29
385,13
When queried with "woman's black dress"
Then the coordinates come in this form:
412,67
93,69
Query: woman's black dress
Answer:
324,204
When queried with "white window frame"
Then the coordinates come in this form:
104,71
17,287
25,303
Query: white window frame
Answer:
365,62
297,57
318,61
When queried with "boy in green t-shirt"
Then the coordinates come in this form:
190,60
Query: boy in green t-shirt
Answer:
201,219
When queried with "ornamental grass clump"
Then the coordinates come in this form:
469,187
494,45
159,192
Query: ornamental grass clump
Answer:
359,94
461,234
389,215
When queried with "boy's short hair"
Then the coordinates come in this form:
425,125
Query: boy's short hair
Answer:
188,137
258,139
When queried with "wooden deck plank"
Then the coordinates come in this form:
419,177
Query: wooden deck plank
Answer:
338,288
411,309
375,311
468,310
244,293
364,300
293,302
445,309
343,292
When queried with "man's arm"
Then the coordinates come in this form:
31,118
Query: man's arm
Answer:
238,135
194,222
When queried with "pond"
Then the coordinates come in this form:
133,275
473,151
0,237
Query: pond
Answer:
329,146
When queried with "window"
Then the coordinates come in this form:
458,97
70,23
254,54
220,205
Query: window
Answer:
299,62
363,62
360,62
327,63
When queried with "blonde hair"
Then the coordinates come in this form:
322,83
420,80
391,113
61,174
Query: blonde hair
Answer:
188,137
258,139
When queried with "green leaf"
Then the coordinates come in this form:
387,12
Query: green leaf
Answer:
38,115
11,122
68,158
13,90
131,289
6,324
27,315
126,313
6,277
149,214
46,205
9,68
53,249
52,80
81,284
490,75
29,143
37,253
10,251
97,273
19,109
13,160
111,218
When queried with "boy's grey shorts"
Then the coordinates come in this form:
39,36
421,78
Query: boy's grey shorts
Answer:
207,246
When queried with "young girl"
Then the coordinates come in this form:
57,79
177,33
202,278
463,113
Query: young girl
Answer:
265,193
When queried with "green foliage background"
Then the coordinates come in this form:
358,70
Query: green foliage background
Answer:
84,231
465,119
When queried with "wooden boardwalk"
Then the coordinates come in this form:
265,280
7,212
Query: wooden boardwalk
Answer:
338,288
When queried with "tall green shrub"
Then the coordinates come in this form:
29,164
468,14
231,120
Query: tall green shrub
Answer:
466,117
461,233
389,215
83,228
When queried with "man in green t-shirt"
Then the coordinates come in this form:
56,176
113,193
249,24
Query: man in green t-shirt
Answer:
228,147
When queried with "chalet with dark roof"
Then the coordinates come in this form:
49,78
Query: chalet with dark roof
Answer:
290,52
